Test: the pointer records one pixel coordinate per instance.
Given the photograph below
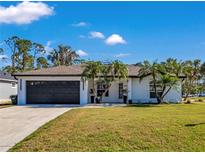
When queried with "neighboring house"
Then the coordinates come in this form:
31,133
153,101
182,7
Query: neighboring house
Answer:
8,86
64,85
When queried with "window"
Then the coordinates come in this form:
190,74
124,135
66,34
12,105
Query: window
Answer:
120,90
13,85
152,91
101,89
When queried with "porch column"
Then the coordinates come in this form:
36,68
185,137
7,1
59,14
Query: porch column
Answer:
129,87
21,92
83,92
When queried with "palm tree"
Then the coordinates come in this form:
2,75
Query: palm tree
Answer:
170,75
96,71
167,82
2,57
63,55
166,75
12,44
38,51
119,69
116,70
174,66
92,71
202,69
54,57
7,69
24,58
192,71
42,62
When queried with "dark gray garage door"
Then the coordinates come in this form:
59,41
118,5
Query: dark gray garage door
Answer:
53,92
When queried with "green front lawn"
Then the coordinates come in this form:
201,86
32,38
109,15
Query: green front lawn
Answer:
179,127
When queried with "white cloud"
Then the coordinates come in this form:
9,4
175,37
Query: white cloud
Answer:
121,55
3,57
48,47
95,34
24,12
80,24
81,53
115,39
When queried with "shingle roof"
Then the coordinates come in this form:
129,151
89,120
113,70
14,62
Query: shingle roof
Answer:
133,70
74,70
5,75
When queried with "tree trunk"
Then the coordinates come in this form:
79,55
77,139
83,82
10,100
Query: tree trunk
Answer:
13,63
13,59
164,93
186,96
23,63
155,89
188,90
103,94
160,98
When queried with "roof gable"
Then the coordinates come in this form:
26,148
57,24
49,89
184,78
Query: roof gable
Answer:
6,76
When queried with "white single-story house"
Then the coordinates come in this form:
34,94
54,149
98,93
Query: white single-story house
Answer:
64,85
8,86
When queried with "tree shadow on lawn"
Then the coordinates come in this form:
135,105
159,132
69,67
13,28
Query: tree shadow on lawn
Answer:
158,105
144,105
196,124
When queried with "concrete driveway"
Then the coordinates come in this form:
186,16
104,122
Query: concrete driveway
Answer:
17,122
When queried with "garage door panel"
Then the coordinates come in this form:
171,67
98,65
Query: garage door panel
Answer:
53,92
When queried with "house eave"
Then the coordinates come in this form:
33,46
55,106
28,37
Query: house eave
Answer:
22,75
7,80
72,75
132,76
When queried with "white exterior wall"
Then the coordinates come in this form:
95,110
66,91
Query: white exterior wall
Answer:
175,94
141,93
113,92
83,92
129,88
22,92
138,91
6,90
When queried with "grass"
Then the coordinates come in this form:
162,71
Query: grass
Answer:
195,99
5,104
176,127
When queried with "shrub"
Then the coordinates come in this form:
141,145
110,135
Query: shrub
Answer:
200,100
188,101
166,102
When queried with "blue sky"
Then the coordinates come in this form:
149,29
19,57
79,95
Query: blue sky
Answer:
129,31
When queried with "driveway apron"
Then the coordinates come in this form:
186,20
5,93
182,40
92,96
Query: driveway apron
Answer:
17,122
